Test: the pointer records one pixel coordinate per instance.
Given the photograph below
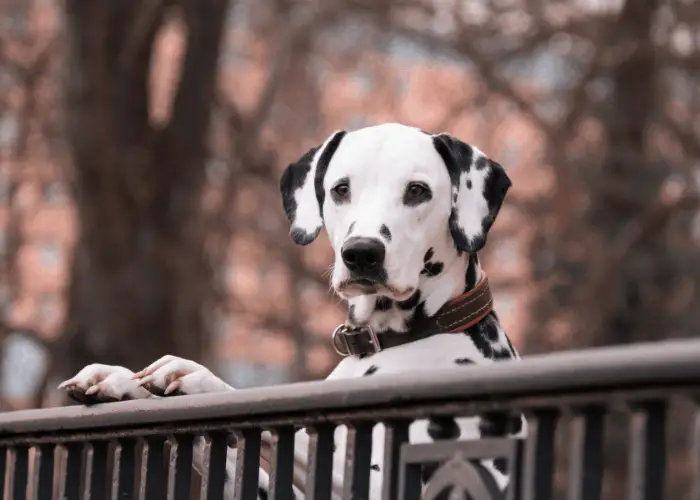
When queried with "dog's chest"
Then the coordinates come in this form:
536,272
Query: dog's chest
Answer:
444,351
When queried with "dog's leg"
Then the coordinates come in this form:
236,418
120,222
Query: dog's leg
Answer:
173,376
98,383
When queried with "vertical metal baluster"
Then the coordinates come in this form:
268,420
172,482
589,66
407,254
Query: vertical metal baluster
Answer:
214,477
69,488
358,460
586,466
410,482
152,480
395,435
538,469
695,456
3,470
43,480
247,464
647,458
20,472
97,480
126,467
282,467
180,467
319,480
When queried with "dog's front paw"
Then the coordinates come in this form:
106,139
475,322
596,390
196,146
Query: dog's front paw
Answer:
103,384
171,375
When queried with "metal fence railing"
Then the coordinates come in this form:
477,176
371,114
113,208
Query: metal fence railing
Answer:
144,449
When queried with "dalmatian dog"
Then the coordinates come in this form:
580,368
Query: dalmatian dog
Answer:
406,213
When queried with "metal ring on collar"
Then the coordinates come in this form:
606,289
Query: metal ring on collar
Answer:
346,330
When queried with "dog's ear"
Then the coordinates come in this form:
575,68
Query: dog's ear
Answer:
302,190
479,186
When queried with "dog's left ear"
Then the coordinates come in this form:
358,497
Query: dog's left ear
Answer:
302,190
479,186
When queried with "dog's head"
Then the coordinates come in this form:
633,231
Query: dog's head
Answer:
387,194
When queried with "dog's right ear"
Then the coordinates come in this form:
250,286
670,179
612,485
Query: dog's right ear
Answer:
302,190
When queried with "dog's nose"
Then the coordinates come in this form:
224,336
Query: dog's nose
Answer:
363,255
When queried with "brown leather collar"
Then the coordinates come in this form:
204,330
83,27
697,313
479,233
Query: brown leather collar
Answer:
457,315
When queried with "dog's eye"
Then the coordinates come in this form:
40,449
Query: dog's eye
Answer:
416,193
341,191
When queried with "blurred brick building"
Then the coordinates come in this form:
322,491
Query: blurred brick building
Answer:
400,83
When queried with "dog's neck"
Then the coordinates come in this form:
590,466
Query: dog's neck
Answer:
447,274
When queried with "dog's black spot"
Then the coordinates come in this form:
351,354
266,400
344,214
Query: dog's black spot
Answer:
322,167
487,340
383,303
262,494
501,465
351,314
480,342
457,155
471,272
500,424
372,369
432,269
384,231
469,184
464,361
375,467
481,163
352,226
491,333
301,237
454,198
443,428
410,302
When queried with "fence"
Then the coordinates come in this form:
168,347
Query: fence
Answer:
117,450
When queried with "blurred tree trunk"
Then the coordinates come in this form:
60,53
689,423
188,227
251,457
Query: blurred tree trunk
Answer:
636,283
140,279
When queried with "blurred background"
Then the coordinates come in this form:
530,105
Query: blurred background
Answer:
141,145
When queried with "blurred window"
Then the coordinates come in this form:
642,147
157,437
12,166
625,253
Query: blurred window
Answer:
49,255
23,362
54,193
45,308
363,79
356,121
242,373
9,130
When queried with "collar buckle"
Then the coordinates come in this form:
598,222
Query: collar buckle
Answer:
345,340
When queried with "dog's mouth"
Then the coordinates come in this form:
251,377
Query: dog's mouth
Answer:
355,287
362,286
